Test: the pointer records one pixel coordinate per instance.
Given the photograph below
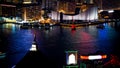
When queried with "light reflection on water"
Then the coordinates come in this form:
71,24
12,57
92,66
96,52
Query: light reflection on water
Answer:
53,43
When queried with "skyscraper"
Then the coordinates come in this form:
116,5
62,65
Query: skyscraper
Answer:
7,10
67,7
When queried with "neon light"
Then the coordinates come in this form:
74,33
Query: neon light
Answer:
84,57
93,57
104,56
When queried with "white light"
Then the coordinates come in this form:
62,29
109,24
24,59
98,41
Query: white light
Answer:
71,59
94,57
110,11
27,2
33,48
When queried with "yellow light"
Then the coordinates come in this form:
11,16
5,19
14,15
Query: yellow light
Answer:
27,2
62,11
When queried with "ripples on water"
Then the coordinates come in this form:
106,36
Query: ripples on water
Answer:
53,43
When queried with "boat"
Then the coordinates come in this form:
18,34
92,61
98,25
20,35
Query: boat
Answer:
2,55
34,46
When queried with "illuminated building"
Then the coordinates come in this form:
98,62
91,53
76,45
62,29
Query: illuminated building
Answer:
31,12
67,7
7,10
85,12
16,8
48,6
87,1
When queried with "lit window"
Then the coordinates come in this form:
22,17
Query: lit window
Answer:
71,59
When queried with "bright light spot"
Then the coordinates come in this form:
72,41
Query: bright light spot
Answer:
33,48
8,20
71,59
26,2
110,11
95,57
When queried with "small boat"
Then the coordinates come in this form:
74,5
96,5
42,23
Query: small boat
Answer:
2,55
34,46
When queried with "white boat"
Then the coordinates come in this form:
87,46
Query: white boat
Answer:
33,47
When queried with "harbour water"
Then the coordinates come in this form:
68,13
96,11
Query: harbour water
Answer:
53,43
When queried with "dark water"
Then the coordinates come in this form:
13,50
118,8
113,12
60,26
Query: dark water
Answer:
53,43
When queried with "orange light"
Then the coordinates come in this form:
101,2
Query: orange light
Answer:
104,56
84,57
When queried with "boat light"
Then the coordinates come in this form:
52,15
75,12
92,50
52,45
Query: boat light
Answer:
93,57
